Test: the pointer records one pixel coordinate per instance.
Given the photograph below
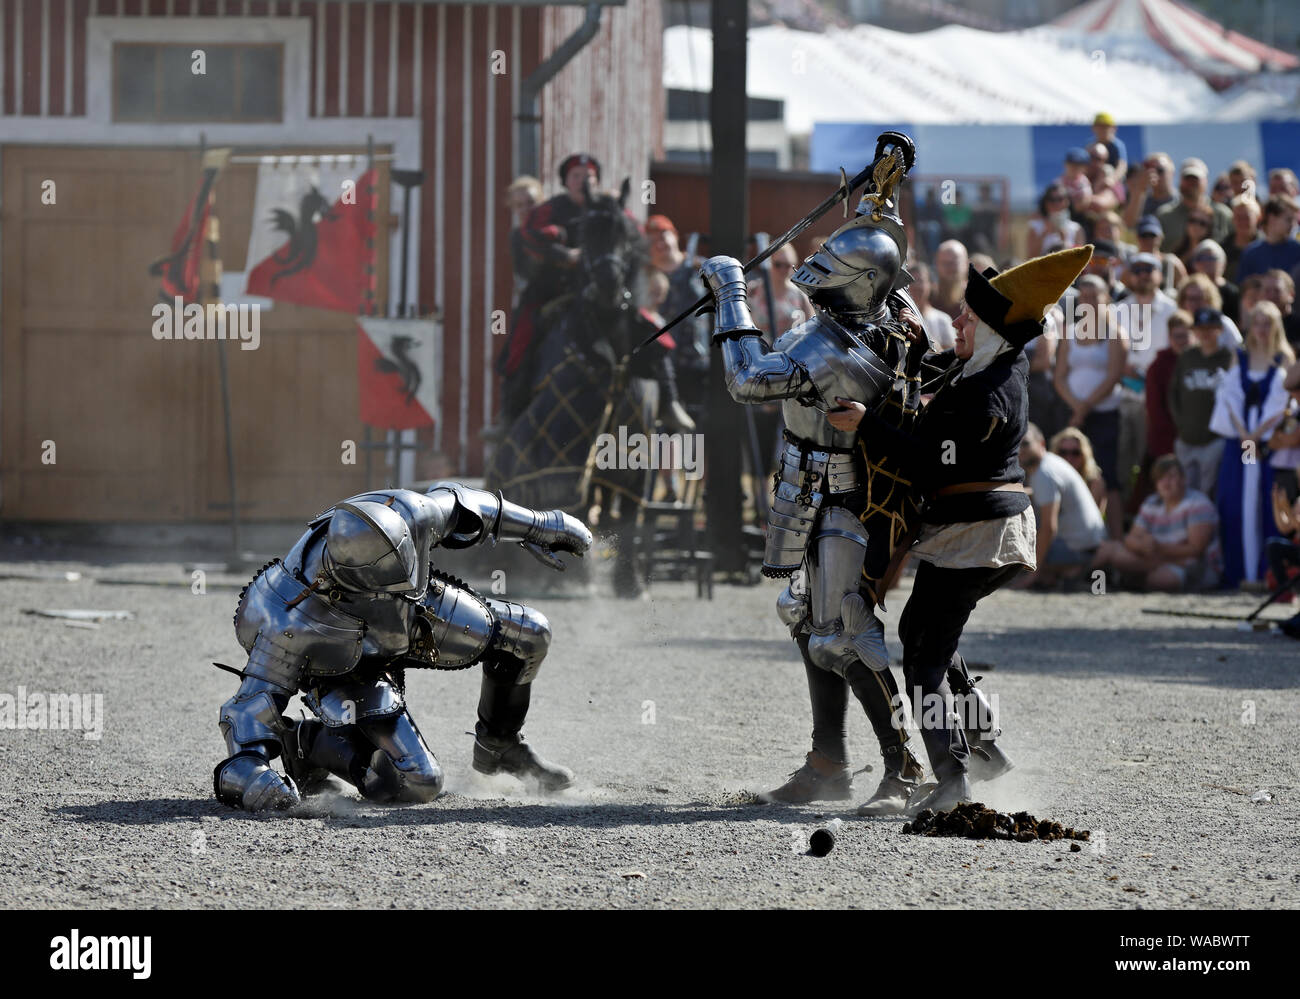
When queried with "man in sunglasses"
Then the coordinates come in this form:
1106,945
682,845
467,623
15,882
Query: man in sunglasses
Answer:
1193,182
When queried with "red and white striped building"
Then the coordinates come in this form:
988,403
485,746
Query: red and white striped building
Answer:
437,84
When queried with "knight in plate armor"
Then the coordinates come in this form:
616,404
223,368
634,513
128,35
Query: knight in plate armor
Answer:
354,604
862,344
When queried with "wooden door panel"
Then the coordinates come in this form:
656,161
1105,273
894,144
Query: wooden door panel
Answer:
138,422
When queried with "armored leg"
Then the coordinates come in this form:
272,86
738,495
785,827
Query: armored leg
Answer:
253,726
509,667
843,629
829,696
402,767
315,751
364,734
825,775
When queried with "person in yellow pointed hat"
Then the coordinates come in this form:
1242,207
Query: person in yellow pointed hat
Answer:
977,526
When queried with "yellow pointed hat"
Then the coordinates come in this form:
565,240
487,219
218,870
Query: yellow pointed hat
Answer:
1014,301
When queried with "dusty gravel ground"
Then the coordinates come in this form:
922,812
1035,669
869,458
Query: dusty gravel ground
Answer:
1153,732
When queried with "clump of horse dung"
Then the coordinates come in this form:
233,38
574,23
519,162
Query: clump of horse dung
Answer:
973,820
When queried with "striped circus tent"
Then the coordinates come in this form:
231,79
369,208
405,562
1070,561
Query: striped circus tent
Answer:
1203,45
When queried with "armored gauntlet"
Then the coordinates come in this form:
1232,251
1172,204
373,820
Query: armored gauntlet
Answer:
726,280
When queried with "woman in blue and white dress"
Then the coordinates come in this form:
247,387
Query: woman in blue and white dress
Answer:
1249,404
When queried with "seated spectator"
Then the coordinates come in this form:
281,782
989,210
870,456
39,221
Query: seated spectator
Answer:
1284,445
1279,288
1070,526
1196,377
1199,292
1089,366
1209,259
1250,402
1193,199
1275,249
1246,215
1149,237
938,327
1052,228
1073,445
1161,429
1283,553
1173,544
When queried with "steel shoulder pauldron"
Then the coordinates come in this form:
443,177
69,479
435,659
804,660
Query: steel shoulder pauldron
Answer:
289,629
452,626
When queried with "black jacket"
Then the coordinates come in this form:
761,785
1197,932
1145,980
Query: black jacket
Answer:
970,432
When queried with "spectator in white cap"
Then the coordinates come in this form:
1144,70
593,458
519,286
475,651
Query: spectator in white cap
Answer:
1193,178
1209,258
1144,312
1275,248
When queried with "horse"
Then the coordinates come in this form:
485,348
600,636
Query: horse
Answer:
551,456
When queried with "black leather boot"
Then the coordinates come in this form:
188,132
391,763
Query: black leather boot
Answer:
499,746
951,792
987,761
903,773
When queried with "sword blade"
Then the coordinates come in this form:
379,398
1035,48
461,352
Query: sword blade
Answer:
842,193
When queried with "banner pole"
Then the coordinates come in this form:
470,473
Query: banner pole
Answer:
210,297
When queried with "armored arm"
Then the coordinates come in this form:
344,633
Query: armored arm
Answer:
479,516
754,371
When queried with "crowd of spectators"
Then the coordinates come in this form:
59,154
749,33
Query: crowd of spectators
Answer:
1164,392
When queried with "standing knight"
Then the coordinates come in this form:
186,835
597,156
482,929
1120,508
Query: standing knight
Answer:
862,345
354,604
